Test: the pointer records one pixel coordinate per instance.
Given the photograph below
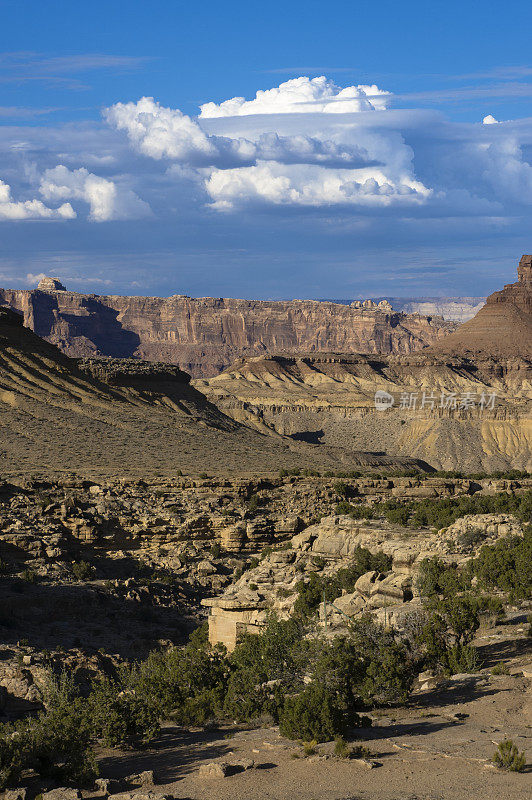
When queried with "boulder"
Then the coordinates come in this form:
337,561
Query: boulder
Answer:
15,794
213,770
62,793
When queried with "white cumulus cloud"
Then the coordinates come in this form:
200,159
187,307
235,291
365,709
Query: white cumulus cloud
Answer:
303,95
490,120
310,186
314,160
107,201
30,209
160,132
157,131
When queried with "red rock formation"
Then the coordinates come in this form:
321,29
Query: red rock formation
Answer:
503,327
204,335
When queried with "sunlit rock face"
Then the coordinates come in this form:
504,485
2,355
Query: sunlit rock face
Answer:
503,327
205,335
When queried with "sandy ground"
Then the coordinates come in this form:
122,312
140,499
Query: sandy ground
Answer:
439,748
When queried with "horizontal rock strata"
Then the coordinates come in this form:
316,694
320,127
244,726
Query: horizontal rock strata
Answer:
204,335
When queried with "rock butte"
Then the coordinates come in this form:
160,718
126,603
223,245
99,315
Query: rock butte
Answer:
503,327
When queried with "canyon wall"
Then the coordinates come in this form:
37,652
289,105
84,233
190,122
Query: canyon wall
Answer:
205,335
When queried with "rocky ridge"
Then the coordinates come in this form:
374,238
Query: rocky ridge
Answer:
441,411
204,335
502,328
118,567
327,547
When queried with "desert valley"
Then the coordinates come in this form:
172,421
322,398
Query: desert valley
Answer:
353,573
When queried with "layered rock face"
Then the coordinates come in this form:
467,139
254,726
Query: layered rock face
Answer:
391,596
453,413
441,410
204,335
503,327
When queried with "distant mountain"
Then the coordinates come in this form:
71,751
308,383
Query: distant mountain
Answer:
455,309
463,403
113,417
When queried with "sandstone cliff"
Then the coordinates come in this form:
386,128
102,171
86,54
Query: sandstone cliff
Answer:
204,335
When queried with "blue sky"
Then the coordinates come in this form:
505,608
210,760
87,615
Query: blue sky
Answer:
379,178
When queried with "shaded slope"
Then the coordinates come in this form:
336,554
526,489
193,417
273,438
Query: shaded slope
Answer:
143,420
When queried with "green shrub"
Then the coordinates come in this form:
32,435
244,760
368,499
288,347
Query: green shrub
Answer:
254,503
122,712
216,550
341,748
398,516
472,537
508,757
314,713
189,682
500,669
57,744
506,565
445,638
82,570
15,755
263,667
356,512
435,577
344,490
462,658
440,513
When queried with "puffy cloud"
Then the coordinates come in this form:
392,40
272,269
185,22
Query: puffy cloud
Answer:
107,201
490,120
306,143
30,209
315,160
310,186
160,132
303,95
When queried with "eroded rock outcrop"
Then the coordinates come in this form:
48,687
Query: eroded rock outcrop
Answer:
503,327
331,545
451,412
